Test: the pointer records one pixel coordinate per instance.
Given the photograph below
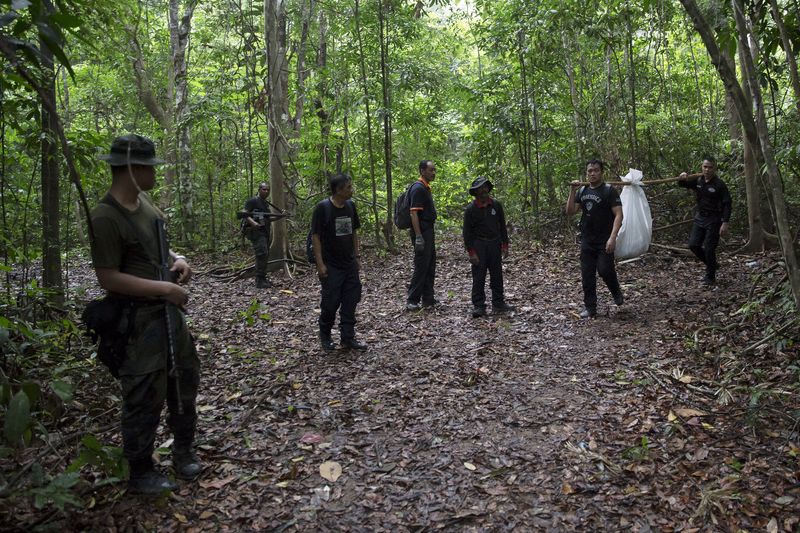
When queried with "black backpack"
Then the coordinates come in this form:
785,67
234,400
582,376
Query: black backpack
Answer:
402,209
328,210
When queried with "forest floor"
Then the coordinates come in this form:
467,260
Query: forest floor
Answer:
535,420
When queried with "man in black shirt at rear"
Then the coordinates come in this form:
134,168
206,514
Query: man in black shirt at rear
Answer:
336,254
711,216
600,223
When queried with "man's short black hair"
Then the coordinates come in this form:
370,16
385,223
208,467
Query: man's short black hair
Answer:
338,180
710,158
424,164
595,161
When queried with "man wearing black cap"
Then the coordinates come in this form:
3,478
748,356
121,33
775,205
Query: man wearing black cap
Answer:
125,256
601,221
486,240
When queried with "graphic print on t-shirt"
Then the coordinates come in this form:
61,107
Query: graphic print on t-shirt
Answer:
344,226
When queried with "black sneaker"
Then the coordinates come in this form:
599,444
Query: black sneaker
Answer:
503,308
150,482
326,342
354,344
432,303
478,312
618,299
411,306
709,280
588,313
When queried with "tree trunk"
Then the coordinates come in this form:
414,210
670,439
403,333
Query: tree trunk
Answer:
322,93
163,114
388,226
278,114
368,118
529,197
755,241
791,60
785,235
632,127
179,31
573,93
51,241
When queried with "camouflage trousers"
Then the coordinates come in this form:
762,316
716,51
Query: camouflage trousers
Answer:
146,384
260,241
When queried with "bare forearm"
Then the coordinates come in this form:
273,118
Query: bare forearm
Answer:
415,223
129,285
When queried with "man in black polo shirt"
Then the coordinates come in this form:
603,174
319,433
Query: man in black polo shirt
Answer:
601,220
423,216
336,254
486,240
711,217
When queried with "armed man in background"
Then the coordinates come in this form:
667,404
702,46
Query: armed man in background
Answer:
257,226
125,255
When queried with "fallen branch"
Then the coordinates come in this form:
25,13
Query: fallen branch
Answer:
769,337
682,251
681,223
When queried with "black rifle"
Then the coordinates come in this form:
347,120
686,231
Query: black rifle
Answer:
164,274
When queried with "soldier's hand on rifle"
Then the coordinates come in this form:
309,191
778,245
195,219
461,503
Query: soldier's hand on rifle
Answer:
182,268
175,294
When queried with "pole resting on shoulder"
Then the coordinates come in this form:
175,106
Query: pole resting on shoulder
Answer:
164,274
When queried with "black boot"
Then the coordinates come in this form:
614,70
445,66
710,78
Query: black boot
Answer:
263,283
185,461
145,480
326,342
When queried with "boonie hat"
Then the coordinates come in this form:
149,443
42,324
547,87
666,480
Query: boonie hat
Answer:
479,182
132,150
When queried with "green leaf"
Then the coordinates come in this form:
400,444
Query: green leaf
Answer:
65,20
33,391
63,390
18,418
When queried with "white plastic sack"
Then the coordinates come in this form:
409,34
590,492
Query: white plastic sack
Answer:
637,223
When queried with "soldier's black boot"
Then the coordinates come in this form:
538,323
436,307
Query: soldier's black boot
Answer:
263,283
145,480
185,461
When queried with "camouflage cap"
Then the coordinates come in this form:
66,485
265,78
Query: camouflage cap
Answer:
132,150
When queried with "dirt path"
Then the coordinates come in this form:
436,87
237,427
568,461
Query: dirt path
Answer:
536,420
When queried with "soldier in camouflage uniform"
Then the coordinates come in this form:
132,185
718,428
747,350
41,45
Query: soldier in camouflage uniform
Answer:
125,259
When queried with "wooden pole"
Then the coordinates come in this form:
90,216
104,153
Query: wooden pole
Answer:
648,182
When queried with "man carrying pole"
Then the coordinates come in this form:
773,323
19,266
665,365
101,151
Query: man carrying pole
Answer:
712,214
601,220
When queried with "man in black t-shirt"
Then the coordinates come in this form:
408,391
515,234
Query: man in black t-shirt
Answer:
423,217
601,220
711,216
336,254
257,229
